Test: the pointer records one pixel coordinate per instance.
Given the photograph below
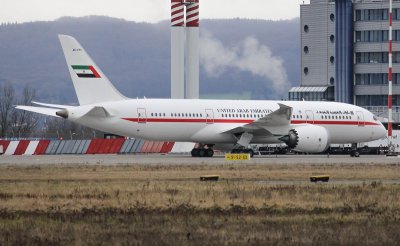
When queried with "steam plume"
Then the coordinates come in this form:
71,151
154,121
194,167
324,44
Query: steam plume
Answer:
249,55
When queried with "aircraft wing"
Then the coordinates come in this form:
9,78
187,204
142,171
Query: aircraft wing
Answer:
40,110
279,117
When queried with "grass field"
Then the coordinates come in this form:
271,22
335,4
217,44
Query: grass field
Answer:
251,204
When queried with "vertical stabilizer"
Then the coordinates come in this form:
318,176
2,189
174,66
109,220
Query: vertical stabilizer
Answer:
91,85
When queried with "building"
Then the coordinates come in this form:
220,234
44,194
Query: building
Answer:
317,38
344,54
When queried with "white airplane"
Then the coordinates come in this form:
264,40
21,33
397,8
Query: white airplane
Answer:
304,126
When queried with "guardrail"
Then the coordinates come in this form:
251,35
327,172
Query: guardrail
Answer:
91,146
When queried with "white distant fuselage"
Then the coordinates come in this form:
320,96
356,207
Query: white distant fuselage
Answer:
207,121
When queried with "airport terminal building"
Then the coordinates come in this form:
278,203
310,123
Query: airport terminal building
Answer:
344,53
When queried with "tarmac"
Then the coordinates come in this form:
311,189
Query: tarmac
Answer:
176,159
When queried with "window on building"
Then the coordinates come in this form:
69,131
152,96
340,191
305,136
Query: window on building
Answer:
372,14
375,100
376,57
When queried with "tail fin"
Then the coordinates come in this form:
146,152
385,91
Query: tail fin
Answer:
91,85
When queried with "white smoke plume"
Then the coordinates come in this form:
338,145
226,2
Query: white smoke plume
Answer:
249,55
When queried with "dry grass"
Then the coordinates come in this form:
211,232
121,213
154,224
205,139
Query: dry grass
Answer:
84,204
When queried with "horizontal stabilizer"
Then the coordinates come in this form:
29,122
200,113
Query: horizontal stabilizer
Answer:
40,110
58,106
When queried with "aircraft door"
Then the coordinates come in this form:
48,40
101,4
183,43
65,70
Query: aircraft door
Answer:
360,118
209,116
309,117
142,117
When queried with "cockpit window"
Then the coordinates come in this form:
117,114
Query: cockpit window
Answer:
375,118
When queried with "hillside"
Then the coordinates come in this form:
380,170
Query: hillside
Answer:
256,58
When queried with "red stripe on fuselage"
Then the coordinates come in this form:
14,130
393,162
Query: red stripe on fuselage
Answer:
245,121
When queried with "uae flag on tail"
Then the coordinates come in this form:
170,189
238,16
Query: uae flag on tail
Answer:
84,71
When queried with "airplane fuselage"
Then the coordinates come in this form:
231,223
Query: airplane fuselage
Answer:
206,121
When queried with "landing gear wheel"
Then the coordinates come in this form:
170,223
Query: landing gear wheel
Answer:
251,152
202,152
355,153
209,152
195,152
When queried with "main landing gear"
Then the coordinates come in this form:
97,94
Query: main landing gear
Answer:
202,152
354,152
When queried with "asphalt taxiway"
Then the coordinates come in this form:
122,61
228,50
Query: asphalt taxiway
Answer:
176,159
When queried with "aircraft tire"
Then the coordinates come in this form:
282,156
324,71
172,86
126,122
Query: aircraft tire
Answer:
202,153
195,152
251,152
209,152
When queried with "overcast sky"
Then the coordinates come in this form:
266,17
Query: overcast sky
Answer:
144,10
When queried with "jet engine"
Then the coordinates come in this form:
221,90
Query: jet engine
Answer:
309,139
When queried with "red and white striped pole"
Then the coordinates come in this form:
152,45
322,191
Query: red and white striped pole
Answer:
390,71
192,49
177,49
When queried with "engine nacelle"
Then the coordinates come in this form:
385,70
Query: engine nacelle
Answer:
308,138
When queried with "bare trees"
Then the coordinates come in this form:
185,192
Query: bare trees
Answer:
16,123
7,97
23,121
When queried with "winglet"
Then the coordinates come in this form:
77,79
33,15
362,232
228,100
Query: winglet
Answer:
276,118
